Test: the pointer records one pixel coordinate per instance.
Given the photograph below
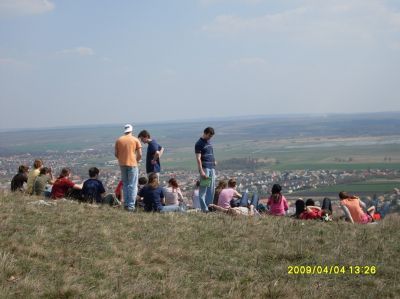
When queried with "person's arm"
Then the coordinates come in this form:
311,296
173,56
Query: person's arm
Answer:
180,196
347,213
309,208
237,194
199,166
116,150
138,154
157,155
77,186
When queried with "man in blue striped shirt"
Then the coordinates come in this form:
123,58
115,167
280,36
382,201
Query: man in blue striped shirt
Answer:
206,166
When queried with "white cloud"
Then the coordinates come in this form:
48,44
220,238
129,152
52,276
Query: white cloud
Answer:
322,22
12,8
81,51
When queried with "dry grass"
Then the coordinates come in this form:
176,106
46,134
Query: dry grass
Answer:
73,250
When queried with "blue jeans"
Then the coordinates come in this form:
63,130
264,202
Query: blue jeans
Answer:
206,194
129,177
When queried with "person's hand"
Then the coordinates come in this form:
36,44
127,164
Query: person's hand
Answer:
153,162
203,174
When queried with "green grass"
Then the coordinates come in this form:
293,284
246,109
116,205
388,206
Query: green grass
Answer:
74,250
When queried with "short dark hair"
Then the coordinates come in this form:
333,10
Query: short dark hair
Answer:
343,195
232,183
144,134
45,170
209,130
142,180
310,202
23,168
93,171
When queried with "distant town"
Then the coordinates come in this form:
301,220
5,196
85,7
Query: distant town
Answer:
293,181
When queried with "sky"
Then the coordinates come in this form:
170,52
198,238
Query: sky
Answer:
76,62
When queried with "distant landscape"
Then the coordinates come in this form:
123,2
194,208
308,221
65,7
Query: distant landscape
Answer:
263,143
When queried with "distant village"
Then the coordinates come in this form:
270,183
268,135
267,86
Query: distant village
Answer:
248,179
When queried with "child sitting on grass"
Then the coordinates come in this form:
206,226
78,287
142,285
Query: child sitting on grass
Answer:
227,194
277,203
353,208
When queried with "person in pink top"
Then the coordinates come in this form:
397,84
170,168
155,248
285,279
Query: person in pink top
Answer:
277,203
226,195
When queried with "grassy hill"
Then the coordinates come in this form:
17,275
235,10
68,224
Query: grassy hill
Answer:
70,250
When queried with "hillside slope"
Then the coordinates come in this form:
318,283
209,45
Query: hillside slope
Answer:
70,250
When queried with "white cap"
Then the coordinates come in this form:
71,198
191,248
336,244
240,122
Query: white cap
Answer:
128,128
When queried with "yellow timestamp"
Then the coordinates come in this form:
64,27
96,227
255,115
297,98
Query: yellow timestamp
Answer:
332,269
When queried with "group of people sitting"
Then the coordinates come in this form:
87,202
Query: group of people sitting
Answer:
154,198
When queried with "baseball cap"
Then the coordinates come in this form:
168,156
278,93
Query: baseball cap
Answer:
128,128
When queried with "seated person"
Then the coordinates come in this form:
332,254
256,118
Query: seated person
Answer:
245,208
153,196
311,211
227,194
353,209
45,177
300,207
195,196
119,192
277,203
37,165
173,195
142,181
222,184
64,187
17,182
93,190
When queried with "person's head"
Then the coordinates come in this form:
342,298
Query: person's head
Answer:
300,206
173,183
208,133
65,172
276,189
144,136
23,169
37,164
310,202
45,170
222,185
232,183
276,192
153,180
142,181
94,172
343,195
128,129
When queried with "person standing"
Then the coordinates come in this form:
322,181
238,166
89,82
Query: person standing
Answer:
154,153
128,151
206,166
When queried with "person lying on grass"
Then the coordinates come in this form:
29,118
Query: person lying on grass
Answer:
245,208
353,208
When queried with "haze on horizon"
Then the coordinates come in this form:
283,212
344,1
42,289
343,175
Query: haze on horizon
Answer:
66,63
